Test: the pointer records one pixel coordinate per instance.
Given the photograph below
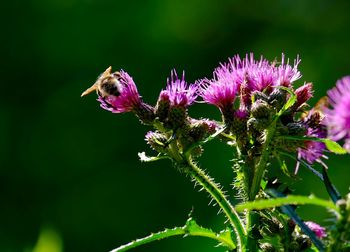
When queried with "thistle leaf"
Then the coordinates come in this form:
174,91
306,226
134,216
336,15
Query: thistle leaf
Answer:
331,145
334,147
289,200
292,99
290,102
191,228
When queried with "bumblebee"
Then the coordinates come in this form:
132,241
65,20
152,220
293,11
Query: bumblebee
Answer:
107,84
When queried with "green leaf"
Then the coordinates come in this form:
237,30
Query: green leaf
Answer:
331,145
263,184
289,200
290,102
284,167
292,99
191,228
334,147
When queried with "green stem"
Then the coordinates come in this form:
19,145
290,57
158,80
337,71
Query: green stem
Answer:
178,231
252,220
215,192
260,167
258,173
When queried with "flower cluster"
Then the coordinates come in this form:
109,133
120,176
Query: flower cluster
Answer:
248,92
265,117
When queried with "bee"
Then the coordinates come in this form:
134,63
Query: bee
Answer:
107,84
322,104
315,116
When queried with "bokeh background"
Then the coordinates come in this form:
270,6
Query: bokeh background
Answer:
70,179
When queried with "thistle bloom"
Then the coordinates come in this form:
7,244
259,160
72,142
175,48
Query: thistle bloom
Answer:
246,76
286,74
178,92
221,90
338,118
303,94
312,151
319,231
128,98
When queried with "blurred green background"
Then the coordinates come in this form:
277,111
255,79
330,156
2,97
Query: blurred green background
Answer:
70,170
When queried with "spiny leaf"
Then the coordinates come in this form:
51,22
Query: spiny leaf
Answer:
191,228
289,200
144,158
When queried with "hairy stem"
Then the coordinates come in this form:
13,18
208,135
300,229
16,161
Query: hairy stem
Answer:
216,193
252,220
262,162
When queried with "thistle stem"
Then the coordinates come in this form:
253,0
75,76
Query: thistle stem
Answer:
216,193
260,167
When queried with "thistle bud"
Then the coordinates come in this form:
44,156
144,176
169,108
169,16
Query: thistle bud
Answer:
278,98
260,96
177,117
145,113
199,129
239,124
304,242
260,109
303,94
163,105
157,141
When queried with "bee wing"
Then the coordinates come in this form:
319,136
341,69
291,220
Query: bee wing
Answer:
95,86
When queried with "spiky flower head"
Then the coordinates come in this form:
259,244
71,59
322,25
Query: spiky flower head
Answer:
303,94
313,150
178,92
319,231
126,97
173,101
338,116
286,74
244,76
220,91
156,140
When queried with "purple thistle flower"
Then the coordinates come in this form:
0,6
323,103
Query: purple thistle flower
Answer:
303,94
221,90
319,231
178,92
286,74
251,75
312,150
260,75
126,99
338,118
